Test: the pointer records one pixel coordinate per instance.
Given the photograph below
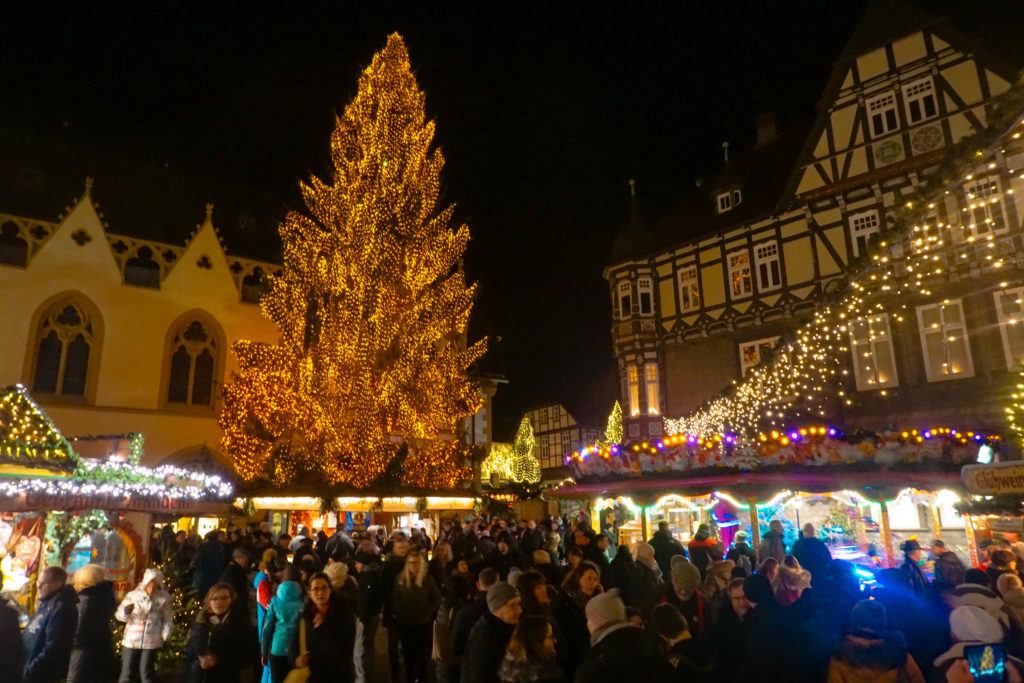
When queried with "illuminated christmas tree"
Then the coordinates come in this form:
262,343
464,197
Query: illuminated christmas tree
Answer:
613,431
372,305
525,466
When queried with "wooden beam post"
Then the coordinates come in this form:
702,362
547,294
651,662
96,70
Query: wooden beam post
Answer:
644,524
886,532
755,524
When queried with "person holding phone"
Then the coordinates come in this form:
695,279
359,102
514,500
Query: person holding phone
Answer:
978,653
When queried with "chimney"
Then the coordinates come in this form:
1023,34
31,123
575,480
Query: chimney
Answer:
767,128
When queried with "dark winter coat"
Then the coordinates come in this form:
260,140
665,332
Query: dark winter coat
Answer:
503,562
949,569
388,574
232,641
772,634
515,670
813,556
331,645
740,551
665,548
92,655
626,654
690,663
916,578
237,578
485,650
622,569
208,565
704,551
12,650
572,616
370,596
415,605
600,558
772,545
867,657
729,643
644,590
50,635
465,620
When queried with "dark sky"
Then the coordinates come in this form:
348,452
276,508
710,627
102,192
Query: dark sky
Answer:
544,111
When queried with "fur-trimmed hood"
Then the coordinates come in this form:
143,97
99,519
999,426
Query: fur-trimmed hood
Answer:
866,649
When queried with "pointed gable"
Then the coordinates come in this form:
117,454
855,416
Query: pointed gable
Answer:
28,438
203,272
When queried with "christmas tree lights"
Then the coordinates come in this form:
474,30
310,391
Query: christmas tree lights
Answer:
613,431
372,306
27,435
525,465
498,461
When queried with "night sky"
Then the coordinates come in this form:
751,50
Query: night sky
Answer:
544,111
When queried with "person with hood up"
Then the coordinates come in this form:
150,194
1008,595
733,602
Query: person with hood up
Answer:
704,549
682,591
622,568
975,592
148,618
50,634
343,584
645,586
1012,590
491,634
220,644
791,582
949,570
741,553
280,636
416,599
772,545
911,567
619,651
971,626
870,653
92,656
812,553
665,547
504,556
716,583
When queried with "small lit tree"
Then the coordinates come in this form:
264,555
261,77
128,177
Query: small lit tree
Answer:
613,431
525,465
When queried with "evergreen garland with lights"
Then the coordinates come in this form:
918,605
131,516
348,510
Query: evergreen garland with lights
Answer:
372,306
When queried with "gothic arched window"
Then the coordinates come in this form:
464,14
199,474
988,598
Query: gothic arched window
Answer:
192,364
63,345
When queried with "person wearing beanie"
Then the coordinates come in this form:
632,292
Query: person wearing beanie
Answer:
619,651
682,591
971,625
622,569
870,652
504,556
490,635
645,588
772,545
542,563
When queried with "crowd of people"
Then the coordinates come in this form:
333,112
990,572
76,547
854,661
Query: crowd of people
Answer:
528,601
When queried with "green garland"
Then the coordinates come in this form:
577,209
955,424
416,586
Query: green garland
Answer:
65,529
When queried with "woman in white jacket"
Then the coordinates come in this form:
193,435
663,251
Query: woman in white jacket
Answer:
148,617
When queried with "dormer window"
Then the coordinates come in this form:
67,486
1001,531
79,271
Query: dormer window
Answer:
729,200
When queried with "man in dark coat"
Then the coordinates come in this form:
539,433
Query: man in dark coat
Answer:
490,635
393,566
949,570
92,656
50,634
208,563
619,651
470,613
369,602
12,650
812,554
665,548
237,575
773,633
504,557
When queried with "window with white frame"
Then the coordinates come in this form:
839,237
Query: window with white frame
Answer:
862,226
689,289
753,352
985,206
947,350
882,114
651,384
874,362
645,295
633,379
724,201
919,99
769,269
1010,309
625,299
739,274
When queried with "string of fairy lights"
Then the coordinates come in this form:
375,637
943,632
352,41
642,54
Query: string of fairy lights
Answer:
27,433
372,306
806,376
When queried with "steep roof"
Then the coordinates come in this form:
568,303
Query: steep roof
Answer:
635,238
883,22
40,178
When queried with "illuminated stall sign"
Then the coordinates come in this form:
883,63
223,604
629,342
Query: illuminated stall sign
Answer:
41,500
990,480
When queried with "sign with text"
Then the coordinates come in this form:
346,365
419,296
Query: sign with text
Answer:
990,480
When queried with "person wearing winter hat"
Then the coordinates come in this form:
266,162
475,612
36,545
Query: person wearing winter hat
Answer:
978,595
791,582
148,617
490,635
619,651
682,592
869,651
912,556
704,549
971,625
1012,590
645,586
717,582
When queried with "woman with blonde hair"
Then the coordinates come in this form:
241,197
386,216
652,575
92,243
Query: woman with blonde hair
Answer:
92,655
416,599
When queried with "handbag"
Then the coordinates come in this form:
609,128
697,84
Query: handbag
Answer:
300,674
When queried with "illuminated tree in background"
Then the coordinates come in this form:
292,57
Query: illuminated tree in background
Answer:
613,431
525,466
372,306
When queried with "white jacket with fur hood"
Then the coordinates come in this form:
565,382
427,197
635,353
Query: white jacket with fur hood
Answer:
148,618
